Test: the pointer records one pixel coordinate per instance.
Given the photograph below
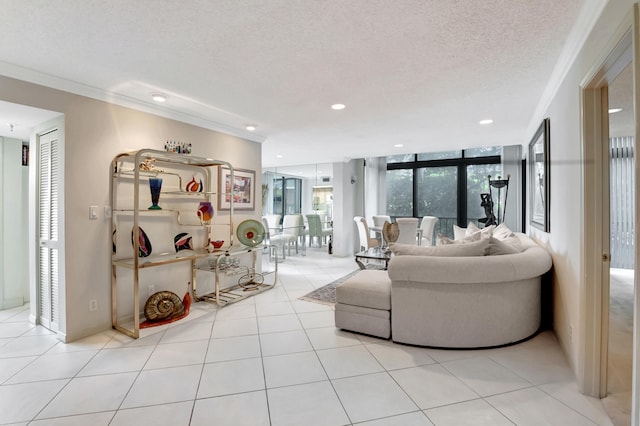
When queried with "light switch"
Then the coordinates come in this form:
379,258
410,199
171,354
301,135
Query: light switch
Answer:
93,212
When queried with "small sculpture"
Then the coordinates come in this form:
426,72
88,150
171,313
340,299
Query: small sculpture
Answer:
164,307
487,203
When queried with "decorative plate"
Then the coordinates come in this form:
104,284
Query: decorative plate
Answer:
250,232
182,241
144,245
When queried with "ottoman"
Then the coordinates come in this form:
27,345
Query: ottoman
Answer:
363,304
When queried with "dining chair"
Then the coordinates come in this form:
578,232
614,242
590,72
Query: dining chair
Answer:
428,225
380,219
291,228
366,242
408,227
316,231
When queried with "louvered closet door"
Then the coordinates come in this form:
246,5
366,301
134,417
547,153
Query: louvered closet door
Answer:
48,226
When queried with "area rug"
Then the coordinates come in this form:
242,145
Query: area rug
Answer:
326,294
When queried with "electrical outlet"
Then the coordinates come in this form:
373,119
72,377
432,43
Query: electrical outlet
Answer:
151,289
93,305
570,332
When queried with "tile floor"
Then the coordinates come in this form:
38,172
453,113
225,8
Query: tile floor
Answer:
275,360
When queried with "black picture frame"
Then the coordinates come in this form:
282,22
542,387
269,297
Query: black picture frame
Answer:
540,177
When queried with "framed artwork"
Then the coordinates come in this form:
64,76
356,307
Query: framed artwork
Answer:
243,189
539,178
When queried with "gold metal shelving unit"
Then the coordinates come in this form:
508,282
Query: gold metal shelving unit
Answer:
126,168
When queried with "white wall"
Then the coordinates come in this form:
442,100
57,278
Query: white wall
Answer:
95,132
564,240
14,284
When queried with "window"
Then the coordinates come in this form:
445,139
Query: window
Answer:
442,184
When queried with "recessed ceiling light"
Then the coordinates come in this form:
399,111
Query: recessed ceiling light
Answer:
487,121
159,97
398,145
614,110
338,107
279,156
250,127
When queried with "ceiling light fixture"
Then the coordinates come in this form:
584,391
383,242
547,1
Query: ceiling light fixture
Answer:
614,110
487,121
398,145
250,127
279,156
338,107
159,97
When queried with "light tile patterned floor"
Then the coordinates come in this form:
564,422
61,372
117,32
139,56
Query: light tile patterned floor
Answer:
276,360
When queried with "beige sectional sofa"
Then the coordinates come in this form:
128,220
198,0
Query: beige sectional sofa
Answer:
453,297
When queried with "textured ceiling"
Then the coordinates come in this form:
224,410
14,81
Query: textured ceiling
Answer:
416,72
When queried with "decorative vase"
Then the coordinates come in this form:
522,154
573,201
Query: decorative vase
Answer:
155,184
205,212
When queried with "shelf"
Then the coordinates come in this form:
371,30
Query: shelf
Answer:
162,259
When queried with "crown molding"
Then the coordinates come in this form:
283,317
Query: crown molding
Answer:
54,82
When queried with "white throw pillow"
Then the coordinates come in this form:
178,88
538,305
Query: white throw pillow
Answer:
502,232
459,233
442,240
477,248
472,229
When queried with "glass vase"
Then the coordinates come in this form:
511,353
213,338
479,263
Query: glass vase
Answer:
155,185
205,212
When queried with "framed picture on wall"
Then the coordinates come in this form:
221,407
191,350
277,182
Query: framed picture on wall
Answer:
243,189
539,178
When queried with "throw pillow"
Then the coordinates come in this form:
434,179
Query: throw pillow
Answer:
502,232
477,248
486,232
443,240
498,247
459,233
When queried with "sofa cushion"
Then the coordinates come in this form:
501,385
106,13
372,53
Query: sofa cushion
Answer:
476,248
508,246
367,288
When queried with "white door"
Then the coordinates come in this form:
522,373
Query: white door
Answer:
48,227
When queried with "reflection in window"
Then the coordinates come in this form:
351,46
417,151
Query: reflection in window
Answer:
483,152
437,195
443,155
400,192
402,158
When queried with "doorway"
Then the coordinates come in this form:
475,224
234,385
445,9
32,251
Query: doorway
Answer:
600,223
622,233
19,265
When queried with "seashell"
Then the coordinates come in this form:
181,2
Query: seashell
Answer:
390,232
163,305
